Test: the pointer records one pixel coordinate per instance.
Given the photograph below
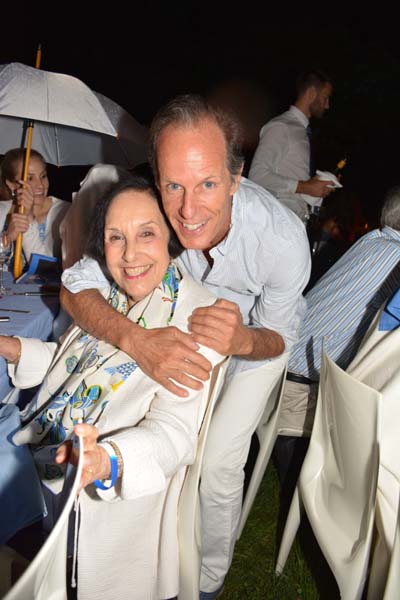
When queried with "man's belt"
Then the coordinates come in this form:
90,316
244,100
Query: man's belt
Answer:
298,378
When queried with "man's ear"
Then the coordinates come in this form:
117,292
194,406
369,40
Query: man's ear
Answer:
236,180
312,93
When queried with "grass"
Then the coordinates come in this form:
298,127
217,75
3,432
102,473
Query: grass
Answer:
252,575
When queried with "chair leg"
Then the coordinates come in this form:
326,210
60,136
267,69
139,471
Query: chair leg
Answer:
264,455
289,533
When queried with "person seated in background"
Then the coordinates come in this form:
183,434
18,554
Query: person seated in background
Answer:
43,214
127,532
328,245
76,222
340,308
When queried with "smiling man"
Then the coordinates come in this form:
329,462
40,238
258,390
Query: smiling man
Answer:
249,250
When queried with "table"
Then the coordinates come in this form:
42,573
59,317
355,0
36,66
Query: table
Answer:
37,323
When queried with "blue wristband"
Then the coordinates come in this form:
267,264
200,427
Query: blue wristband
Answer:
114,475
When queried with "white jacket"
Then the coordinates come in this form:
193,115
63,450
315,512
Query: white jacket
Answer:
128,547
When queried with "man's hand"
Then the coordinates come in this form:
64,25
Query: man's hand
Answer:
168,353
315,187
221,328
163,354
96,462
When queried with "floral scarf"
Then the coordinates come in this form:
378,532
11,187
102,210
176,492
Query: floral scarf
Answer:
86,373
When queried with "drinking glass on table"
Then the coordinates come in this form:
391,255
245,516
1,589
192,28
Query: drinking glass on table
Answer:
6,252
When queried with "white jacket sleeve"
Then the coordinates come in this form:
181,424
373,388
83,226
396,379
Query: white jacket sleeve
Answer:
36,357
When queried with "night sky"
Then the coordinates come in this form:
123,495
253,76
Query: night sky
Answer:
143,56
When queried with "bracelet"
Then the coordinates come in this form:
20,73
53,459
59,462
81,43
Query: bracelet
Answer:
118,454
114,475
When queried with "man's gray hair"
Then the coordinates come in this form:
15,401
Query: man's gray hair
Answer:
189,110
390,215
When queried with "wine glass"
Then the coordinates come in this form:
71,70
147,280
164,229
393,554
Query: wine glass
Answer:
6,252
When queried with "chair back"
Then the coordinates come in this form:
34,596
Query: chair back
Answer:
392,588
338,480
377,365
189,535
45,577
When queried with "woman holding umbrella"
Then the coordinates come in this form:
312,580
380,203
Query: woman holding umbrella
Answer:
43,214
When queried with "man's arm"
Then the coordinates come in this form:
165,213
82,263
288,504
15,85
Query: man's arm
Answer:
315,187
164,354
271,151
277,312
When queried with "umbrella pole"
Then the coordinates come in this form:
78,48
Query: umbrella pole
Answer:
18,242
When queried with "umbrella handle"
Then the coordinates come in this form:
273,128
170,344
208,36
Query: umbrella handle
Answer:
18,257
18,265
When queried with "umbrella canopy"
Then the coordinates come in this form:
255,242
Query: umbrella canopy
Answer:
72,124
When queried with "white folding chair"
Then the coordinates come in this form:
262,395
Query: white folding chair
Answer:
338,481
267,431
377,365
189,534
45,577
392,588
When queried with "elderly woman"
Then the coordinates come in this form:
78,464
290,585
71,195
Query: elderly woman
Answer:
43,214
127,545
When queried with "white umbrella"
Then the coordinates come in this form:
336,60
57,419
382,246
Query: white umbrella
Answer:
72,124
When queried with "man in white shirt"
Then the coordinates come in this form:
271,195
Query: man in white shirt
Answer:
253,254
282,161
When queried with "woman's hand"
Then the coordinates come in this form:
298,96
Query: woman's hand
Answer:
10,348
24,197
96,462
17,224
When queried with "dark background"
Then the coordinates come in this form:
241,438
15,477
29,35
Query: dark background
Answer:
140,55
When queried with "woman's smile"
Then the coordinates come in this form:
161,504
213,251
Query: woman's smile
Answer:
136,272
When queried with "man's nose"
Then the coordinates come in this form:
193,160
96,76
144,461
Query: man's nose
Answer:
187,208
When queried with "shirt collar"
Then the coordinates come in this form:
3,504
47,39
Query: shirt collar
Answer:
299,115
394,233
